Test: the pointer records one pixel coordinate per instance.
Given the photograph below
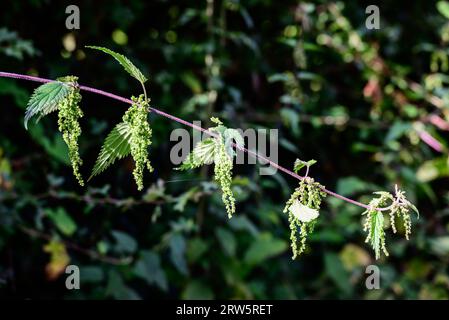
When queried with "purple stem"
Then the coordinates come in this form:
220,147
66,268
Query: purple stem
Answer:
169,116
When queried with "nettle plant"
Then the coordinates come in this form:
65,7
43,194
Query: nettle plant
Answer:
219,151
132,137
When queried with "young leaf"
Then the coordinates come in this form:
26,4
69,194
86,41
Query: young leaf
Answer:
377,232
299,164
116,146
203,153
414,208
137,118
233,136
45,99
125,62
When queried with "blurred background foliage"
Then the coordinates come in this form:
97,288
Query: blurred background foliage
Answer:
372,106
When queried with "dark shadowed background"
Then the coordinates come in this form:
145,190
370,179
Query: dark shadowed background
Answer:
372,106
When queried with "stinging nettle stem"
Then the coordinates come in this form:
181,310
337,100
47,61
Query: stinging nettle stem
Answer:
189,124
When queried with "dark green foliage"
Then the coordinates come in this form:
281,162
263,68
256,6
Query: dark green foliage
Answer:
358,101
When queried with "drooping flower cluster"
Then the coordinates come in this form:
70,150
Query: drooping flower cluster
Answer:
140,139
302,209
69,114
217,150
133,136
223,176
374,223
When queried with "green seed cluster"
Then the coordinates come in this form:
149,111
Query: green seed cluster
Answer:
401,208
310,194
223,175
68,116
376,236
214,150
136,118
397,206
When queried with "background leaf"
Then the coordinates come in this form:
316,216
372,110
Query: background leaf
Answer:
149,268
264,247
337,273
62,220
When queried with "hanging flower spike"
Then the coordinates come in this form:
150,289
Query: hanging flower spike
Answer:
62,95
132,136
68,115
219,151
397,206
302,208
223,176
140,139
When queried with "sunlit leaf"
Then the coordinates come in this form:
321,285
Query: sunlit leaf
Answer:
125,62
203,153
45,99
59,259
443,8
116,146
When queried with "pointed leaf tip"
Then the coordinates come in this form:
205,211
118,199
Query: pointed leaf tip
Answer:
125,62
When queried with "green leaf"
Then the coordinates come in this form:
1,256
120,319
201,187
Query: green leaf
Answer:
335,270
91,274
233,136
264,247
45,99
53,144
182,200
124,242
377,232
397,130
440,245
148,267
299,164
62,220
178,253
430,170
227,241
443,8
116,146
203,153
348,186
125,62
291,120
196,248
117,288
414,208
197,290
